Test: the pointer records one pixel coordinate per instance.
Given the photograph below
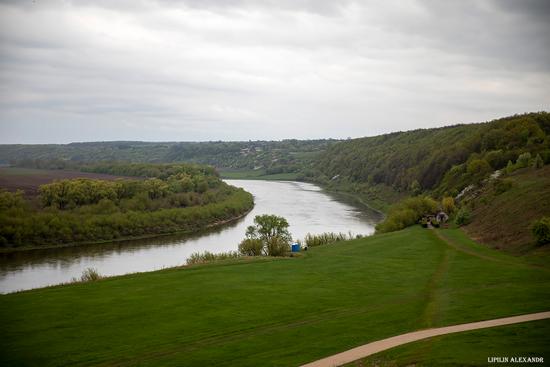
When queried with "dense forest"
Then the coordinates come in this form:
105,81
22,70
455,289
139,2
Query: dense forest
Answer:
163,198
441,161
270,156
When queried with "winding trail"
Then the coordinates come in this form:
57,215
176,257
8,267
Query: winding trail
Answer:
384,344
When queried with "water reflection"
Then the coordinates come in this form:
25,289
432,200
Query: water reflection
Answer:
306,206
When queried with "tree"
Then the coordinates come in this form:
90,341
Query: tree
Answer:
479,169
523,160
538,162
448,204
510,167
541,230
272,231
415,188
463,216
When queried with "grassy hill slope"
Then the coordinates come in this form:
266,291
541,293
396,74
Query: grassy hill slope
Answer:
272,312
504,219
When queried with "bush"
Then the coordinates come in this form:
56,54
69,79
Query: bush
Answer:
206,257
251,247
510,167
448,205
90,275
541,230
538,162
277,246
478,169
326,238
523,160
500,185
406,213
463,216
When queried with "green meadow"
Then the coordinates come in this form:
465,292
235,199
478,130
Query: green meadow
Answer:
287,311
473,348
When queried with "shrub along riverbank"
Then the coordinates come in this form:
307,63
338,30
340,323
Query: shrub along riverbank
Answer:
276,311
174,198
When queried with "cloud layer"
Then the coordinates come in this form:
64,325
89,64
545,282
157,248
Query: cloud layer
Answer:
239,70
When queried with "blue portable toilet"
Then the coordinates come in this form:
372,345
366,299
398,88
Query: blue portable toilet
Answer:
295,247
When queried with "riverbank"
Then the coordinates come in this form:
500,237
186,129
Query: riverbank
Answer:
217,224
375,204
312,306
357,200
259,175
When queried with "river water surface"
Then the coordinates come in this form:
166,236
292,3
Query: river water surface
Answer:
306,207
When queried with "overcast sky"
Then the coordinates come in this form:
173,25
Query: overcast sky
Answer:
239,70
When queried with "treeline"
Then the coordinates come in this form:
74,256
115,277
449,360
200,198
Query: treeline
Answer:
271,156
442,160
439,161
161,171
179,198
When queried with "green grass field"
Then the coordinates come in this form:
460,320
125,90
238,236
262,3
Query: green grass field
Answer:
279,312
531,339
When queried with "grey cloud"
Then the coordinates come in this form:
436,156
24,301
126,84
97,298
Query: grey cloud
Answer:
238,69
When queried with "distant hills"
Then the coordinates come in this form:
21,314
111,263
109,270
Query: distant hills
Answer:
441,161
269,156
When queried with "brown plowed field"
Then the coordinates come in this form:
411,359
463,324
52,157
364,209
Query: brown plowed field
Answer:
29,180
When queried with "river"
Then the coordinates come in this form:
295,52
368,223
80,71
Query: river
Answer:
306,207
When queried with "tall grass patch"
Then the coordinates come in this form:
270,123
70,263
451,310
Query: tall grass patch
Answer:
207,257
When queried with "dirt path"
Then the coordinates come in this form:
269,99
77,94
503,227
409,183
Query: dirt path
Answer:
384,344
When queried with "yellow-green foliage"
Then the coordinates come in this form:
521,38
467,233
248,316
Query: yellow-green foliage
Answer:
448,204
541,230
85,210
90,275
251,247
272,232
277,246
407,213
207,257
326,238
538,162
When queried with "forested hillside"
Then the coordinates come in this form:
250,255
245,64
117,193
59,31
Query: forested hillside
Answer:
270,156
442,160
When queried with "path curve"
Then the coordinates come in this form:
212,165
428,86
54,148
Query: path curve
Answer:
384,344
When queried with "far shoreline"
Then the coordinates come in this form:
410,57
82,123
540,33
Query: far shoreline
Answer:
9,250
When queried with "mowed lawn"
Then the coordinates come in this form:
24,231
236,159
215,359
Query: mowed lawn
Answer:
473,348
281,312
